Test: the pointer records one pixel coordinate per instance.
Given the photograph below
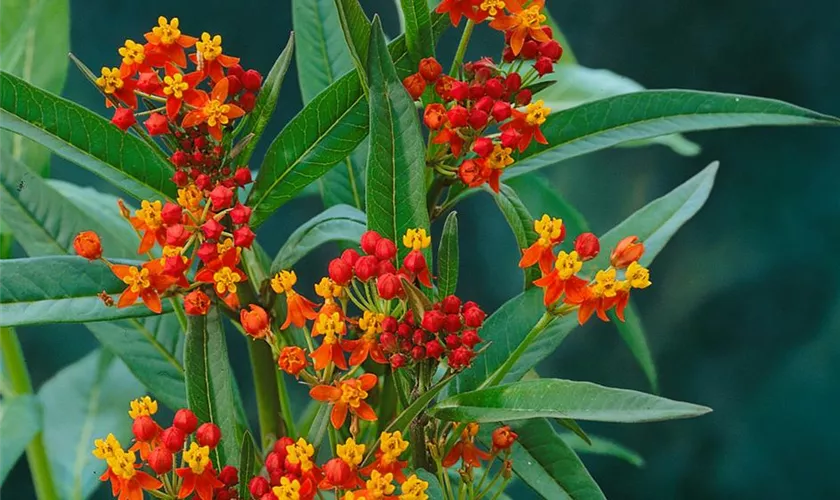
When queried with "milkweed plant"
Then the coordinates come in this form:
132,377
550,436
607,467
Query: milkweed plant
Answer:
415,392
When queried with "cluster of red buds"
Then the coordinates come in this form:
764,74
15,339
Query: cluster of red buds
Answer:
544,53
184,442
449,330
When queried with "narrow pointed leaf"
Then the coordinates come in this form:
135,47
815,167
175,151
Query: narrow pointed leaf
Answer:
605,447
340,223
84,138
521,223
395,188
248,463
633,333
318,428
562,399
418,29
20,421
210,386
355,26
61,289
448,259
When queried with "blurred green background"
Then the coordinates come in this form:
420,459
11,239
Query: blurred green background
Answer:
745,312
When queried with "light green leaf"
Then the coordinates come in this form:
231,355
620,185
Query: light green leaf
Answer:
548,465
318,427
521,223
340,223
448,259
266,102
83,402
556,398
395,191
603,446
356,28
211,394
60,289
248,463
418,29
20,421
643,115
84,138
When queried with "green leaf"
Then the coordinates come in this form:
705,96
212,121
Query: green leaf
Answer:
84,138
396,166
548,465
573,426
248,463
340,223
20,421
356,28
328,129
603,446
266,102
521,223
633,333
448,259
643,115
61,289
418,29
83,402
210,386
562,399
434,491
318,428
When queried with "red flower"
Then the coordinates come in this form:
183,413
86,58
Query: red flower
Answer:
179,88
347,395
522,23
88,245
466,450
146,283
166,43
458,8
527,124
224,275
198,476
550,232
213,111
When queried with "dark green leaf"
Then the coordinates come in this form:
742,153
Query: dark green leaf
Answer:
562,399
521,223
83,402
448,259
418,29
248,463
548,465
643,115
84,138
266,102
356,28
340,223
603,446
210,386
395,191
20,421
61,289
573,426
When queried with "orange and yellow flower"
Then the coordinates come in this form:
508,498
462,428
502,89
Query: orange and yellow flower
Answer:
146,282
198,476
528,123
380,486
370,325
224,274
462,8
167,43
391,446
347,395
522,22
212,60
466,450
179,88
111,82
213,110
126,481
561,277
332,327
298,308
550,232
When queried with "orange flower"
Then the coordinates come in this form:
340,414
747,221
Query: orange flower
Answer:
555,282
391,446
212,59
521,23
196,303
378,487
503,438
126,481
528,124
292,360
133,59
368,345
332,327
148,221
347,395
224,275
606,292
179,88
166,43
88,245
462,8
466,449
147,283
298,308
111,82
213,110
628,250
550,232
198,476
343,471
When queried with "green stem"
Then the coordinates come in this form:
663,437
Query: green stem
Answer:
434,193
499,375
285,405
15,367
265,386
417,429
462,48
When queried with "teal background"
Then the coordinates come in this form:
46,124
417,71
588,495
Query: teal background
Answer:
744,315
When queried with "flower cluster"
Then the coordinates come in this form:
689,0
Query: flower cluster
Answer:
159,450
609,289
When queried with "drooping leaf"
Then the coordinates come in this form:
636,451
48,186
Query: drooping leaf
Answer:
266,102
328,129
556,398
355,26
83,402
210,385
448,259
521,223
395,191
84,138
603,446
60,289
340,223
418,29
20,421
248,463
548,465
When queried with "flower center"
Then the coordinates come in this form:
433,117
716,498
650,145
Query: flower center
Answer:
492,7
226,280
210,47
110,80
549,229
175,85
167,31
132,52
300,453
500,157
197,457
605,284
531,17
150,214
352,393
137,279
288,490
567,264
216,112
537,113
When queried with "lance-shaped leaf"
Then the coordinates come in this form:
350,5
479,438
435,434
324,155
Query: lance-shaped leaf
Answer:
83,402
548,465
210,385
61,289
84,138
521,223
557,398
20,421
643,115
265,104
395,191
356,28
328,129
603,446
340,223
418,29
448,260
248,463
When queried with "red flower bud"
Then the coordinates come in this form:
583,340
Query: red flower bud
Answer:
418,353
388,286
240,214
221,197
388,341
350,256
503,438
501,111
385,249
474,317
529,49
212,229
236,70
200,142
172,439
587,246
544,66
478,119
510,138
430,69
452,341
247,101
243,237
508,55
196,303
552,50
452,323
234,84
366,267
434,349
415,262
171,213
397,361
180,178
281,444
523,98
470,173
175,266
255,322
418,337
252,80
483,146
434,116
123,118
160,460
177,235
340,272
292,360
457,116
484,104
451,304
470,338
513,82
459,91
203,182
415,85
148,82
157,124
385,267
87,245
207,252
369,241
229,475
433,321
548,32
628,250
476,91
258,486
179,158
494,88
208,434
144,428
242,176
338,473
185,419
389,324
460,358
443,86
